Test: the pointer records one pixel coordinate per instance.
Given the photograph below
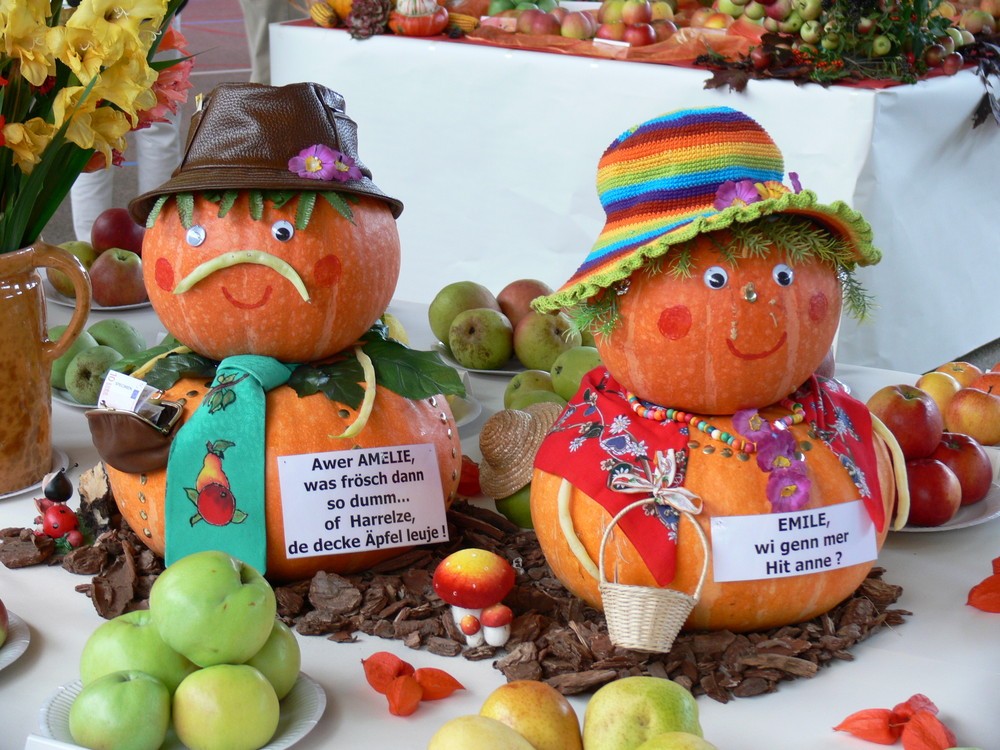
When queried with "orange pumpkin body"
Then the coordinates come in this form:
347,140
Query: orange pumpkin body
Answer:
728,486
683,344
349,271
295,426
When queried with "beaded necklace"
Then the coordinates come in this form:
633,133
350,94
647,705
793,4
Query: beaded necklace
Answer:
646,410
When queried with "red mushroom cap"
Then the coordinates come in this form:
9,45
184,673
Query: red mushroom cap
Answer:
473,578
470,625
496,616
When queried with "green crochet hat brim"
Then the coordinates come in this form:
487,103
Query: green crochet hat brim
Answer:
837,217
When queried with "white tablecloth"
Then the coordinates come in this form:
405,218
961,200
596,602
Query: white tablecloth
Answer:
946,650
494,154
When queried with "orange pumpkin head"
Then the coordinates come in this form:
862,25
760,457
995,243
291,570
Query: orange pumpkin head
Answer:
728,335
233,284
295,426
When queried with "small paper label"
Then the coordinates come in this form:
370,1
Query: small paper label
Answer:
777,545
362,499
121,392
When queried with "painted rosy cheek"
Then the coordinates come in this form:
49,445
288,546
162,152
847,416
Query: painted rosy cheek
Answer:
818,306
164,274
675,322
327,270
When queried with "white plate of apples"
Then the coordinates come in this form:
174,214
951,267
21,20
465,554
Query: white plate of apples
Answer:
15,634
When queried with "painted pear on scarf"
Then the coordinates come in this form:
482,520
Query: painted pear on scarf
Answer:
211,494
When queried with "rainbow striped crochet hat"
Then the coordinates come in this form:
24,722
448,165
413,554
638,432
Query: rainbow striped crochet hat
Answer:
687,172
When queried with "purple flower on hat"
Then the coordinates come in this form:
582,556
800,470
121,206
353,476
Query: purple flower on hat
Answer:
320,162
796,185
733,193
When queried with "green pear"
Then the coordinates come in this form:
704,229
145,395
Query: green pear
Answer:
527,380
83,341
457,297
479,732
676,741
538,712
516,507
85,252
524,398
623,714
119,334
570,367
86,372
541,337
481,339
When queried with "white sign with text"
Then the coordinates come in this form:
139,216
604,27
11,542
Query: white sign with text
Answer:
361,499
777,545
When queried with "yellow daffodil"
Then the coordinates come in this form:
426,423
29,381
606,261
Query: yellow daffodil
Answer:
110,127
140,19
78,51
27,140
23,33
127,84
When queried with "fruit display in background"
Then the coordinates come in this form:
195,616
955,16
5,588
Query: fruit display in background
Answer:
935,492
976,413
569,368
515,298
212,608
84,341
481,338
963,372
965,456
536,711
119,334
988,381
911,415
516,507
116,278
85,373
541,337
940,386
225,707
627,712
114,228
453,299
86,254
124,709
525,381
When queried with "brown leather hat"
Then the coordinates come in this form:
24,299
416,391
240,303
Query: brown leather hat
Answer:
245,133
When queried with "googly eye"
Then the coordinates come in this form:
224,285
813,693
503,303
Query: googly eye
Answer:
783,275
195,235
716,277
282,230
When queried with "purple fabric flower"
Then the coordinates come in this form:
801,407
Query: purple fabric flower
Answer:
776,451
796,185
321,162
732,193
788,488
751,425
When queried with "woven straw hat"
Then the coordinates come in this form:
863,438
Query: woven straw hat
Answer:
509,441
686,172
244,135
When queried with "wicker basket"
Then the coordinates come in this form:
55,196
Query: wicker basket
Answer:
643,618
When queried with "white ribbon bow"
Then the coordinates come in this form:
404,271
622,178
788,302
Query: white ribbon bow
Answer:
656,484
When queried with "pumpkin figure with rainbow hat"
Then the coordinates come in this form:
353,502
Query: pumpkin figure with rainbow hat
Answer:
269,257
704,475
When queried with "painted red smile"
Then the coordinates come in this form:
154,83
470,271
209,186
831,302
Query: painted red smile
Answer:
247,305
758,355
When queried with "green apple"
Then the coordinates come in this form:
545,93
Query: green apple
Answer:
85,373
119,334
457,297
481,339
541,337
517,507
132,642
570,367
225,707
498,6
279,659
86,254
524,381
627,712
479,732
213,608
676,741
59,365
124,710
536,711
524,398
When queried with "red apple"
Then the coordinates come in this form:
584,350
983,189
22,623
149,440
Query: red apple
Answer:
559,13
988,381
578,25
546,24
965,456
912,416
664,30
976,413
4,623
637,11
115,228
610,11
116,278
614,31
952,63
526,20
639,34
515,298
963,372
935,492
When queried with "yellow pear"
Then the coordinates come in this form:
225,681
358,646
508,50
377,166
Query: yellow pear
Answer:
479,732
396,330
940,386
539,713
676,741
625,713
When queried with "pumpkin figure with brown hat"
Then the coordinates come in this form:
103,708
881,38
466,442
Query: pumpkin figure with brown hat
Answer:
307,439
705,477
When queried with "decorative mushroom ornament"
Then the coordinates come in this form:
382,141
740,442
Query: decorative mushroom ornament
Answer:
471,580
714,292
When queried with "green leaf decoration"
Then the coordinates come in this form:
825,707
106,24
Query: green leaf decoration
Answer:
279,197
228,199
239,516
304,209
410,373
192,495
130,364
220,446
337,200
185,209
168,370
195,518
155,210
256,204
339,381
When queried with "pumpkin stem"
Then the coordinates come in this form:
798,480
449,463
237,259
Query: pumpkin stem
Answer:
366,405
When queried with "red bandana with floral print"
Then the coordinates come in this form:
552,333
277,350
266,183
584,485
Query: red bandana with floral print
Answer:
598,438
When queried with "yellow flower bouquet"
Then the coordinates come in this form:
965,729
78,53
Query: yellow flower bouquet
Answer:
73,83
